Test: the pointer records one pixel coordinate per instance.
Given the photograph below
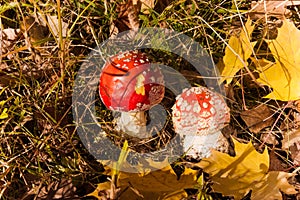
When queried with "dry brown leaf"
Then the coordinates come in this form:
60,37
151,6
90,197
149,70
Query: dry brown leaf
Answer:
291,142
8,38
278,8
62,189
54,26
297,104
258,118
9,75
269,137
34,28
103,190
275,162
295,153
270,187
248,170
292,118
290,137
127,19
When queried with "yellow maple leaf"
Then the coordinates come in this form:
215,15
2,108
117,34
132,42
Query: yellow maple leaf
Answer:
283,75
160,184
237,54
248,170
143,167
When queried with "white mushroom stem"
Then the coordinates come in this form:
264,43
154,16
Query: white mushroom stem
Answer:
200,146
133,123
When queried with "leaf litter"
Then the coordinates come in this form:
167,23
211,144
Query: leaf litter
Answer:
248,170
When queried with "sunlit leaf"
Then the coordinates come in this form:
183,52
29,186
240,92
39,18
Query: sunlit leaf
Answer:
238,53
4,114
159,184
283,75
248,170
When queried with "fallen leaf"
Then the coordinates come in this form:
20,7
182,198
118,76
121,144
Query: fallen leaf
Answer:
297,105
53,23
258,118
61,189
34,28
261,9
102,192
248,170
291,142
283,75
146,5
290,137
291,120
272,185
127,19
143,167
160,184
275,161
8,40
295,153
236,55
269,137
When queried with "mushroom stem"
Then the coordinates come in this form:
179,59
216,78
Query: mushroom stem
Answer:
133,123
199,146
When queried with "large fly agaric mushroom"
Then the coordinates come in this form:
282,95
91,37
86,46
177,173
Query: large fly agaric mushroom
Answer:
131,85
198,115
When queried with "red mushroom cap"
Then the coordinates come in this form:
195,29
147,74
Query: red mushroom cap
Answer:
199,111
128,82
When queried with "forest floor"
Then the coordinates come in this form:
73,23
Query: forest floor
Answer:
44,45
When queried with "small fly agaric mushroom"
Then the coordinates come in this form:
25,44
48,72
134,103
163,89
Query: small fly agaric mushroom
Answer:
131,85
198,115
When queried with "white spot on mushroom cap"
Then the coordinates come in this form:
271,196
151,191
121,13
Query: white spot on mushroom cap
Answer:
120,56
213,111
188,93
196,108
124,66
179,101
184,104
205,105
127,60
188,108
